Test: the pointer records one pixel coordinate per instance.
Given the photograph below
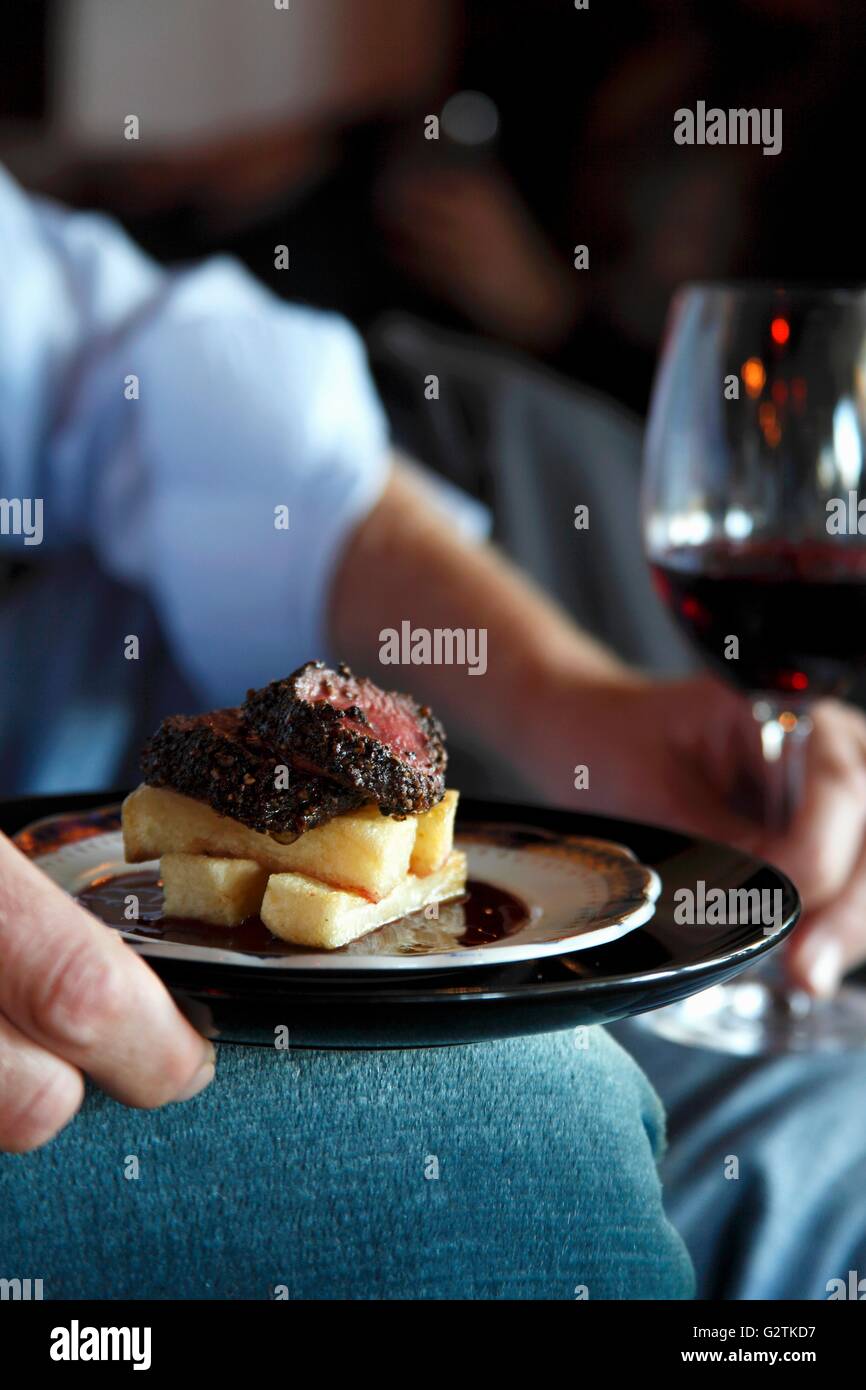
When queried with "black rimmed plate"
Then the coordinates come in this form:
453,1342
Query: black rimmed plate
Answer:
651,965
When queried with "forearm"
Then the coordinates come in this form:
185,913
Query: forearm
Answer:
405,564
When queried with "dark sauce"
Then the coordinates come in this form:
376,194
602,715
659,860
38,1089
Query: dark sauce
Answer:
489,914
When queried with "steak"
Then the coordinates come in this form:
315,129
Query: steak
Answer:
218,759
378,744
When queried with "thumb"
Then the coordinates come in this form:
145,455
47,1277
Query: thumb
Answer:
821,847
831,941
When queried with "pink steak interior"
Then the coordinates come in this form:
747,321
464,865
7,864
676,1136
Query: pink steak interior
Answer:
390,720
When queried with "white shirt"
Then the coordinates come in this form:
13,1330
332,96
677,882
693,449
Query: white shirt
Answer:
164,419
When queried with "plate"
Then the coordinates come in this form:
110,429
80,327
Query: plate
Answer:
658,964
528,897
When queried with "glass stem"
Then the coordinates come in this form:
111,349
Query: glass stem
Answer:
784,735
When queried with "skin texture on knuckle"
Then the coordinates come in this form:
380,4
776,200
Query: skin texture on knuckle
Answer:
41,1110
81,997
98,1005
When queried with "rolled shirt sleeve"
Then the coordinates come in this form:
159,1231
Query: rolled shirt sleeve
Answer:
256,445
217,449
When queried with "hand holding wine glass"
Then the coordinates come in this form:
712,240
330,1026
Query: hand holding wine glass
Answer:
752,497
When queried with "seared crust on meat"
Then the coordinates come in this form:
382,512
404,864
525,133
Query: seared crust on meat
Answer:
380,744
218,759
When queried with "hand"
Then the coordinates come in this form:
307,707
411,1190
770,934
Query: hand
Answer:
675,752
75,998
467,235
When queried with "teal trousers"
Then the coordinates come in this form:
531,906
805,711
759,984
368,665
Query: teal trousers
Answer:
523,1169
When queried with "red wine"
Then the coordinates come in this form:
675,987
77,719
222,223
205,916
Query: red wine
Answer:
798,610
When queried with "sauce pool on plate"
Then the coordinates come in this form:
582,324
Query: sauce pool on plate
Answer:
482,915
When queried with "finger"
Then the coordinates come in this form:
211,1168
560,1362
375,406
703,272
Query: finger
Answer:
822,845
73,986
39,1093
832,940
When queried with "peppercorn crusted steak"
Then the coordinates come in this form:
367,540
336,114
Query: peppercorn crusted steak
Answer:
216,758
379,744
359,832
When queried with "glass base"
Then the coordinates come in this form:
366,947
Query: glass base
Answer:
751,1018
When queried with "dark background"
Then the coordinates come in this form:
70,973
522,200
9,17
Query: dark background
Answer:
584,154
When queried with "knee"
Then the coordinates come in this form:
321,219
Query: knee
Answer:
545,1174
602,1131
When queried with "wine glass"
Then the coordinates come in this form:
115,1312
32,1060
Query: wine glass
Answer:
753,484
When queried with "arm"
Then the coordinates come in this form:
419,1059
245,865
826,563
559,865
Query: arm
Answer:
552,698
406,562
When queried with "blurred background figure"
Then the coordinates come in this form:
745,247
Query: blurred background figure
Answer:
555,132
